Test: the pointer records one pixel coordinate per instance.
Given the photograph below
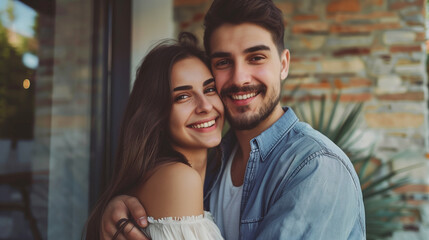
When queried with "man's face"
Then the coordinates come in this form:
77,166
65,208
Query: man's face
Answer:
248,72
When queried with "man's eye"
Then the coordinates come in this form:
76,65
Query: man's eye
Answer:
256,58
222,63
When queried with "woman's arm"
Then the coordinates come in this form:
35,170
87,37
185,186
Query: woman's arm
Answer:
173,190
173,198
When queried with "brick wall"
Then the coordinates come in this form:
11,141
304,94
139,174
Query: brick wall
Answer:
372,51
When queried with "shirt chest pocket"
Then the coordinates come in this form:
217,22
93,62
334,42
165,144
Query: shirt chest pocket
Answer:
248,227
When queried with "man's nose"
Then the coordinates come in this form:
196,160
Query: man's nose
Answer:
240,74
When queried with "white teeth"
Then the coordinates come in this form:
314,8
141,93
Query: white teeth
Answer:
243,97
204,125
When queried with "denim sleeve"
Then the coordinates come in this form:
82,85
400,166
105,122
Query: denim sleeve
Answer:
319,200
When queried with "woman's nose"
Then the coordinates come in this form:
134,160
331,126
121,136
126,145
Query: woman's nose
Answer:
203,105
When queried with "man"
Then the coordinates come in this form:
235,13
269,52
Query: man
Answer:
279,178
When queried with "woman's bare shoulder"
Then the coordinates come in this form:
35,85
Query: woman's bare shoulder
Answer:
173,190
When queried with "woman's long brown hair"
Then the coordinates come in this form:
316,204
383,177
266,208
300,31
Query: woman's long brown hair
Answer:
144,138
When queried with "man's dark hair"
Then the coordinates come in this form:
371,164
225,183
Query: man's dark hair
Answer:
260,12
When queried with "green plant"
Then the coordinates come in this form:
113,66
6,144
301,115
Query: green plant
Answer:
383,208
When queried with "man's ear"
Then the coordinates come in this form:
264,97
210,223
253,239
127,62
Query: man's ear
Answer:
284,61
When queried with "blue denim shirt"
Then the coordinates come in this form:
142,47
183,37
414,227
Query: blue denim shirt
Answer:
298,185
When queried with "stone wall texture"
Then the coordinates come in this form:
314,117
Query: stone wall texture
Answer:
62,123
70,120
370,51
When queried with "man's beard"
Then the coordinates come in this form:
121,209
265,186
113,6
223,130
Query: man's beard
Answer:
249,122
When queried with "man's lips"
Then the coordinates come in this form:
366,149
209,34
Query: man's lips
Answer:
242,93
243,96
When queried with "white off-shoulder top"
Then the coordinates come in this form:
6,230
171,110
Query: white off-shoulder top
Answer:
200,227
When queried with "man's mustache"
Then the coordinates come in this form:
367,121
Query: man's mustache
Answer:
235,89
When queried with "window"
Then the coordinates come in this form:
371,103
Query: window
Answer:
46,77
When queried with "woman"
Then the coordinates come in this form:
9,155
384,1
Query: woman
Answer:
172,118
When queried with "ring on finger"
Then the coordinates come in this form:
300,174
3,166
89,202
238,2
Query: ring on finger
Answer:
121,222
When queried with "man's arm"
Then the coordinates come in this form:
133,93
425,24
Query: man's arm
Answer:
120,207
321,201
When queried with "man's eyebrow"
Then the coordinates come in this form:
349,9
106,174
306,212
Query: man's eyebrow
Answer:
208,81
257,48
247,50
180,88
220,55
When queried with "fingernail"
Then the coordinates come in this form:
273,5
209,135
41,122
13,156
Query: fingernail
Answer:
143,221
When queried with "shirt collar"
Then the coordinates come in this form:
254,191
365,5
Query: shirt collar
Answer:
266,141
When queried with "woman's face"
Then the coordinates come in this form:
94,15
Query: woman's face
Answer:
196,118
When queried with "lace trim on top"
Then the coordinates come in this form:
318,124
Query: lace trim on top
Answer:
180,220
199,227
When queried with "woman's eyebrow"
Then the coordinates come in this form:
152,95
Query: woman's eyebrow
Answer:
189,87
208,81
180,88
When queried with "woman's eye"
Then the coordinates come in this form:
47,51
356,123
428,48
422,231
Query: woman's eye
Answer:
180,97
210,90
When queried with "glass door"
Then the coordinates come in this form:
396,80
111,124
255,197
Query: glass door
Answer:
46,74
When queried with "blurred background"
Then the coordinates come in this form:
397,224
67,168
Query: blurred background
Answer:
358,73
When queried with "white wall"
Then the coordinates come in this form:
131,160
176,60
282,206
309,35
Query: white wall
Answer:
152,21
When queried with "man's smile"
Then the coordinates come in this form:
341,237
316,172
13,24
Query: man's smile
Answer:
243,96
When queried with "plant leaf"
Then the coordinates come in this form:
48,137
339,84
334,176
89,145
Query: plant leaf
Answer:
313,114
329,127
322,113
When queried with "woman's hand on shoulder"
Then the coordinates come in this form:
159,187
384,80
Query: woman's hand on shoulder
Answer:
173,190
